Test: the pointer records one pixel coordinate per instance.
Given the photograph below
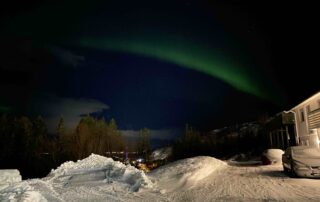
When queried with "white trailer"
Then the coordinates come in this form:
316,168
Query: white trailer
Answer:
307,121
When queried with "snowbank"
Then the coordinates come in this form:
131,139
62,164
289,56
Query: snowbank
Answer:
20,192
186,173
9,176
194,179
161,154
97,168
12,189
274,156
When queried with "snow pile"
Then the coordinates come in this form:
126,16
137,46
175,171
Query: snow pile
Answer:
9,176
20,192
161,154
98,168
13,189
274,156
186,173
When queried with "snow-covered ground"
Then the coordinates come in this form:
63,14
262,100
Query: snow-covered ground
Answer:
97,178
9,176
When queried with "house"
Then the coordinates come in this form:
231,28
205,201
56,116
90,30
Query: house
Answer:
307,121
280,131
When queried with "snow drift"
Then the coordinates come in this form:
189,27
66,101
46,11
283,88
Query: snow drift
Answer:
97,178
9,176
98,168
20,192
11,188
185,173
272,156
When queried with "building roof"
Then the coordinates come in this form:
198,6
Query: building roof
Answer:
307,100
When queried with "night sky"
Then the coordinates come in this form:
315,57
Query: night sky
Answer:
157,65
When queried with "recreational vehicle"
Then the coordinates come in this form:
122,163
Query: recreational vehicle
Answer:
307,121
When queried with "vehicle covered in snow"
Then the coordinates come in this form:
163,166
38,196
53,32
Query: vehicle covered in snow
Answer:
302,161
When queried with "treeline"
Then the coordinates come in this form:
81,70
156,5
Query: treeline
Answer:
94,136
248,138
188,145
143,146
25,143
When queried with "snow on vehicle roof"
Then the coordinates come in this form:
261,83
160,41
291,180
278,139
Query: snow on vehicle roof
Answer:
301,147
306,152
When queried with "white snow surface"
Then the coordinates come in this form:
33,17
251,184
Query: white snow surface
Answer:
186,173
20,192
202,178
307,155
12,190
306,152
97,167
274,155
9,176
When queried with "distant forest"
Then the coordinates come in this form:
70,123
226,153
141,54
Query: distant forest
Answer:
26,144
248,138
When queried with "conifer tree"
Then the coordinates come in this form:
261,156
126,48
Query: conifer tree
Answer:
144,142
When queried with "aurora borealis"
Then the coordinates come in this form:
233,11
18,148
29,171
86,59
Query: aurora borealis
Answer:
153,64
187,55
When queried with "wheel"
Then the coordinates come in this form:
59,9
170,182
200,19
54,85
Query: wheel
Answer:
285,170
292,172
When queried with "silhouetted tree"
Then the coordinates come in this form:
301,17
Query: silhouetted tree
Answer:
61,128
97,136
189,144
144,142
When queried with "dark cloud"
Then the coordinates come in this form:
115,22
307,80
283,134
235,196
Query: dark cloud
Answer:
67,57
53,107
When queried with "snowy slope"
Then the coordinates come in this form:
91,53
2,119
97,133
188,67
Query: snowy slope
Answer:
97,178
185,173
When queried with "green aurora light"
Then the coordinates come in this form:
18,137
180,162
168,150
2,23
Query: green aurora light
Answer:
190,55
